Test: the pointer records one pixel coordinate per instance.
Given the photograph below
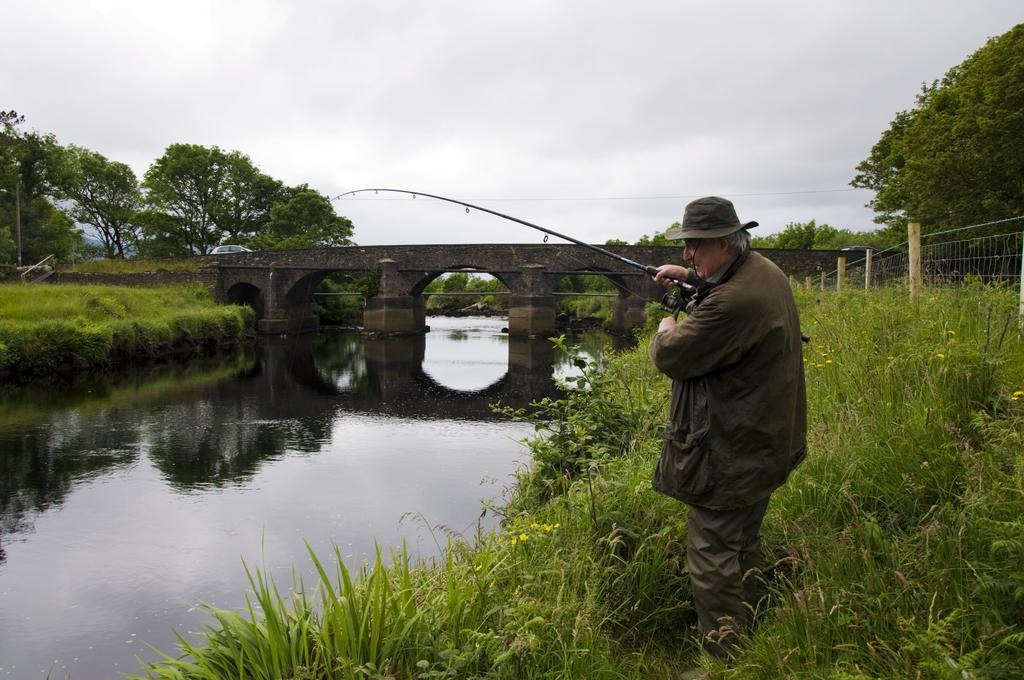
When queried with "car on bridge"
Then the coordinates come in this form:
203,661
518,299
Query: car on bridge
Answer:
222,250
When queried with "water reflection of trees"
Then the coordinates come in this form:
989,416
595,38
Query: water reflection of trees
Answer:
57,434
217,421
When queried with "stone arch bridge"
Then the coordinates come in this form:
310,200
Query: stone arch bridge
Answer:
280,284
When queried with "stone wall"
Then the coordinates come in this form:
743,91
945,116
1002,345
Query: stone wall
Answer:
207,277
801,263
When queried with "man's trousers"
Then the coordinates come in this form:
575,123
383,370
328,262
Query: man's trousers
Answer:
723,555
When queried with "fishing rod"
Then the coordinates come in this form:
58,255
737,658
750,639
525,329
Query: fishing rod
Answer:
673,301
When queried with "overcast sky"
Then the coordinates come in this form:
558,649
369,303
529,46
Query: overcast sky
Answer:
597,119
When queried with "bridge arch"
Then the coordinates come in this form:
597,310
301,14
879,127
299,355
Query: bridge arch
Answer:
419,285
244,293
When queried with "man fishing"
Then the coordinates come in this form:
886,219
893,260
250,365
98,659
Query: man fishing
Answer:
738,415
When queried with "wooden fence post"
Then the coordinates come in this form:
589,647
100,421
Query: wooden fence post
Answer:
867,268
823,280
840,273
1020,318
914,246
808,283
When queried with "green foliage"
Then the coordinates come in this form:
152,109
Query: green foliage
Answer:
8,246
57,328
814,236
203,190
26,170
658,238
344,310
464,282
957,157
303,218
196,197
591,297
606,414
45,230
100,193
201,196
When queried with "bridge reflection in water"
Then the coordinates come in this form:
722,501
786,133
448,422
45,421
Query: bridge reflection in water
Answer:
392,379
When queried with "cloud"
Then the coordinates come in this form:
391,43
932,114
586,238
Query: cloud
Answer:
516,100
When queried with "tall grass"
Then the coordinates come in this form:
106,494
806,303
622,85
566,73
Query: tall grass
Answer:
69,327
895,550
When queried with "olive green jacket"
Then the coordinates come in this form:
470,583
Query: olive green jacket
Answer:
738,417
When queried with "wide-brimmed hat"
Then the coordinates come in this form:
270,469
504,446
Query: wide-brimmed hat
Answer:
708,217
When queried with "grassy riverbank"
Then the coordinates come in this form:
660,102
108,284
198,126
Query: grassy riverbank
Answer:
895,550
49,328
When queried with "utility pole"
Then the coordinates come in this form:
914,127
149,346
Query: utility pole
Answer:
17,216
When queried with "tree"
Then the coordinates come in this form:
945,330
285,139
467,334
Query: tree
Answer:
102,194
242,209
957,157
658,238
813,236
25,177
214,196
185,183
160,234
303,218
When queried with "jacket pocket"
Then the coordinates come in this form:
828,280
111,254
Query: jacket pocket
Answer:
685,465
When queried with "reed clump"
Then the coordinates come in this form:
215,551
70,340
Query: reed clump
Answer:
58,328
895,550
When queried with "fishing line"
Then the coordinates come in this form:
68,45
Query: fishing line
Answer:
649,270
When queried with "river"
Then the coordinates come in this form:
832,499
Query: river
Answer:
128,499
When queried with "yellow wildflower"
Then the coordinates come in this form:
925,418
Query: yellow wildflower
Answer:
492,584
1019,393
478,567
524,537
556,526
533,525
828,361
514,541
940,355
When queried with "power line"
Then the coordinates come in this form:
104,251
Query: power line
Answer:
676,197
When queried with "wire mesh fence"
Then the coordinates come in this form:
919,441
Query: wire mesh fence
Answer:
946,258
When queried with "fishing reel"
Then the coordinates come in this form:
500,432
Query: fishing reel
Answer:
679,297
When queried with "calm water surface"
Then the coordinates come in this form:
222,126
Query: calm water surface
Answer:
128,499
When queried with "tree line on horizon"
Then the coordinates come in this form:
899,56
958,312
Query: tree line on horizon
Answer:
190,200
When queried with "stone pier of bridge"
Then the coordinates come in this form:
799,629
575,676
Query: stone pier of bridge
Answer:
400,307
